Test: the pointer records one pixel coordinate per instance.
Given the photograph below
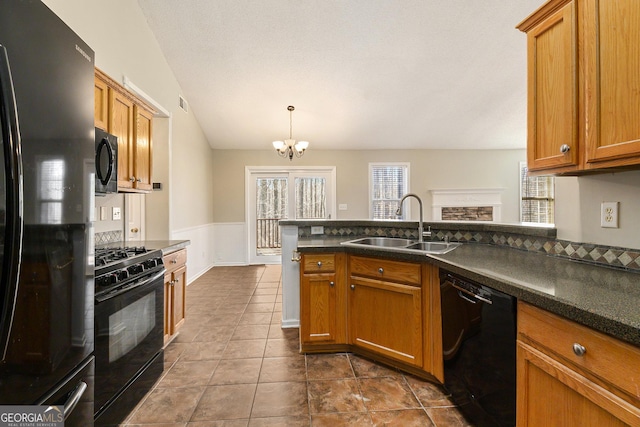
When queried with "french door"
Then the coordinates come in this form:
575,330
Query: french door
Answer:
276,194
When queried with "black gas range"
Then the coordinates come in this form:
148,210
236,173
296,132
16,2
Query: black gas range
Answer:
118,269
128,329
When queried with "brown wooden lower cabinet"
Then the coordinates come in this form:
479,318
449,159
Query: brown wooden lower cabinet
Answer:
570,375
386,318
381,308
322,293
175,283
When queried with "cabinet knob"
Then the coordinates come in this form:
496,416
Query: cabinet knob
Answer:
139,180
381,270
332,284
353,287
172,282
578,349
174,261
319,264
132,179
177,281
564,148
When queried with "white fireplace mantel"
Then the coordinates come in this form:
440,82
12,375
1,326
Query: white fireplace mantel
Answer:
474,197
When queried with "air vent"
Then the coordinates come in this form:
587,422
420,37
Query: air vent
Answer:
182,103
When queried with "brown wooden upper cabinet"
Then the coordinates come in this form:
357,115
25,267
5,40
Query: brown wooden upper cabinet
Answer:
583,86
122,114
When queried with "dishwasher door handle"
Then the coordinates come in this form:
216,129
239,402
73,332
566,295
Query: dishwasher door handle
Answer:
471,294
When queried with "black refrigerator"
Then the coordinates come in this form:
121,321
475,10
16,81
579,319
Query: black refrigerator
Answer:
46,199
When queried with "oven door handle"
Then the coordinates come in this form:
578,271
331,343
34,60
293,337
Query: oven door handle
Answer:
146,282
73,400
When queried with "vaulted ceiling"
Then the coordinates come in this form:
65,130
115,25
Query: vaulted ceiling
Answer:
362,74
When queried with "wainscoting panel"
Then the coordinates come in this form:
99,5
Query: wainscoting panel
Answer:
229,243
200,251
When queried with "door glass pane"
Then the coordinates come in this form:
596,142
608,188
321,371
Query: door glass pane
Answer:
311,199
271,207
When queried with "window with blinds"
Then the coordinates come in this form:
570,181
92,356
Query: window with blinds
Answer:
536,197
388,182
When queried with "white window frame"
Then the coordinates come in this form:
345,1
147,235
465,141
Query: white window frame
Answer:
407,167
523,165
251,172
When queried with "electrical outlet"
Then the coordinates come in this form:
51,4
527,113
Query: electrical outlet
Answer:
609,214
342,207
317,229
116,213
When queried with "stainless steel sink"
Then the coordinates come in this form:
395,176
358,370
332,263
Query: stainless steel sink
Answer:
402,245
434,247
384,242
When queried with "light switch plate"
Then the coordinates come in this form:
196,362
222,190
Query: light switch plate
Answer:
116,213
609,214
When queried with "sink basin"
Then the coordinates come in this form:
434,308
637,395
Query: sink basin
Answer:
384,242
403,245
434,247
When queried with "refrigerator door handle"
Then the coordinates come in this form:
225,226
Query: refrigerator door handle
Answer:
11,149
73,400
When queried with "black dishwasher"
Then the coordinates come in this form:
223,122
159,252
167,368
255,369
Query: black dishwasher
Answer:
479,346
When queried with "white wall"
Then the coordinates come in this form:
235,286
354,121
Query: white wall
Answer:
578,208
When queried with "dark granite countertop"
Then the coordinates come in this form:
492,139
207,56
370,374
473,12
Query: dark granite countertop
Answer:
603,298
167,246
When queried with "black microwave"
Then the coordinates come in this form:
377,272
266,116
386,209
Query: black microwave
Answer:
106,163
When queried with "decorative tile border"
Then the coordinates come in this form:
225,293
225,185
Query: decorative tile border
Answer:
108,237
610,256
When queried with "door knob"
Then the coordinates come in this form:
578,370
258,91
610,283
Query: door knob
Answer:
134,230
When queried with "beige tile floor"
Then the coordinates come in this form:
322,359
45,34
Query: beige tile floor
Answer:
232,365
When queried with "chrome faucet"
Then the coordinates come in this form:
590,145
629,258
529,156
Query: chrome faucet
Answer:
420,224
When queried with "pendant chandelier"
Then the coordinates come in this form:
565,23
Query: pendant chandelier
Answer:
289,147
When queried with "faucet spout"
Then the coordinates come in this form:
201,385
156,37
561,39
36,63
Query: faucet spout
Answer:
421,222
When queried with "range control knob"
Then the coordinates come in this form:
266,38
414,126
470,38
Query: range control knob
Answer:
135,269
150,263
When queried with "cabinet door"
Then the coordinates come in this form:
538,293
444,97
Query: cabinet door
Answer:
101,104
386,318
552,141
551,394
612,80
318,295
178,300
121,110
142,153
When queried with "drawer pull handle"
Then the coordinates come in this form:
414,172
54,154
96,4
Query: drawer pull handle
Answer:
332,284
353,287
579,349
319,264
381,270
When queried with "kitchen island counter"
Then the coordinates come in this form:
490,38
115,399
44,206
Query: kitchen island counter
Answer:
602,298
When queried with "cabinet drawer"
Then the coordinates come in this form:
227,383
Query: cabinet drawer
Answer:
175,260
319,263
612,360
398,271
